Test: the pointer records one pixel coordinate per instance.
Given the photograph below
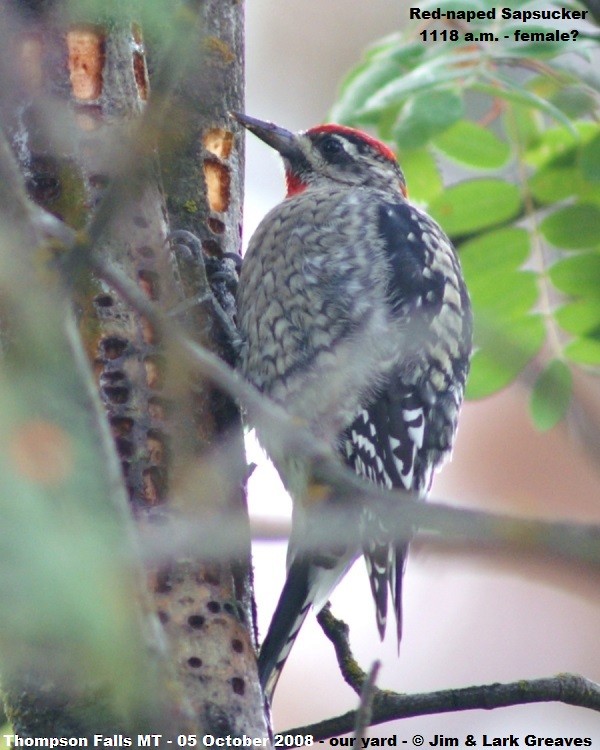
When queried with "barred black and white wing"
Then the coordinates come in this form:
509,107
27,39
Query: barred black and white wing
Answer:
406,430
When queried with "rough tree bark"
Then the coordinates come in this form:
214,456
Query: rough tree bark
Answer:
86,122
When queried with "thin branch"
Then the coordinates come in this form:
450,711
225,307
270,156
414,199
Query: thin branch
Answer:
20,212
571,689
338,631
226,536
402,513
13,196
365,708
389,706
206,363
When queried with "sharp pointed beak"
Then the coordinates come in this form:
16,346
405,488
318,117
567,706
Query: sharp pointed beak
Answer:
282,140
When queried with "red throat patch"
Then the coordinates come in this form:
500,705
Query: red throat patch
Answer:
294,184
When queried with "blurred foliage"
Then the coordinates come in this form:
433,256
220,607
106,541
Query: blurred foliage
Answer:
69,584
515,126
77,625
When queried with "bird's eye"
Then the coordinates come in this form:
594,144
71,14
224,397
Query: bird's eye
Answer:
331,146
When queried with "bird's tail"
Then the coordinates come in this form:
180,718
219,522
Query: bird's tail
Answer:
310,580
292,608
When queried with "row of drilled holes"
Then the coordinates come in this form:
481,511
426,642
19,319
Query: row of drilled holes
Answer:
218,144
116,390
196,622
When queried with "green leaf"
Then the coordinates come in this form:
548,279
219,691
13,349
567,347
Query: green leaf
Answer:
390,60
584,351
360,85
503,352
587,192
499,291
571,65
558,147
426,115
504,294
505,88
574,101
544,86
551,185
473,205
580,318
573,227
434,73
389,45
523,125
422,175
496,250
404,53
590,160
551,395
578,275
471,144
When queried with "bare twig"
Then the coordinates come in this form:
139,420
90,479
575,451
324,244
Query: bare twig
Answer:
337,631
571,689
12,189
387,706
19,211
365,707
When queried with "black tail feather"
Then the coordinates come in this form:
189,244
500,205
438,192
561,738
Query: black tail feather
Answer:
399,563
292,608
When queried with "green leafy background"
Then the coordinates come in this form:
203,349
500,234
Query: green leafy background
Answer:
515,125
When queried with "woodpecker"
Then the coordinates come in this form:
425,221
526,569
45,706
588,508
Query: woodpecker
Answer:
355,318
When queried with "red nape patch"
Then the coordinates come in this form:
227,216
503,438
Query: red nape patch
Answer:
294,184
384,150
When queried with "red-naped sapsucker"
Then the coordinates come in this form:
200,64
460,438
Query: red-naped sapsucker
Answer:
355,318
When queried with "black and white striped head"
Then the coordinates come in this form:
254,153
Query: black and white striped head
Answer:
330,154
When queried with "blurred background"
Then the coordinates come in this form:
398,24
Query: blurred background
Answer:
469,618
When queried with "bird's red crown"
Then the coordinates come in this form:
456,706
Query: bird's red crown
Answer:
384,150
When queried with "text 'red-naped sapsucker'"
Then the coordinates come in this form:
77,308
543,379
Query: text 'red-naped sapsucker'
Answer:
355,318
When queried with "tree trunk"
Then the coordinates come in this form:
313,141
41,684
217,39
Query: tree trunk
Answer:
86,123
